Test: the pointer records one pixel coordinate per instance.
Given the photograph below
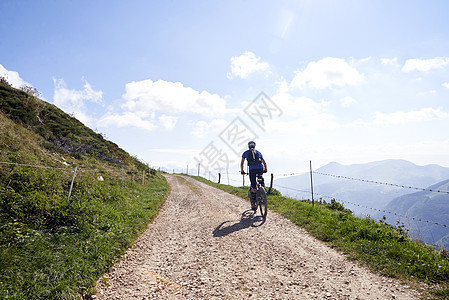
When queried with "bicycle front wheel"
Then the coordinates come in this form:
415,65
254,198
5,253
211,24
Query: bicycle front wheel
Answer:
263,205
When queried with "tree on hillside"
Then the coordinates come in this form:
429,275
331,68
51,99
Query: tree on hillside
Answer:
31,91
4,80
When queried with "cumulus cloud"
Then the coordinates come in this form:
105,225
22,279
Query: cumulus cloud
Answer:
425,65
326,73
128,119
299,106
145,100
13,77
446,85
170,97
244,65
73,101
301,115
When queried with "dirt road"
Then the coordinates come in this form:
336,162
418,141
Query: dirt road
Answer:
206,244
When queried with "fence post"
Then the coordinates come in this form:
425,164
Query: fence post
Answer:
311,183
271,184
71,185
143,177
219,177
198,170
123,181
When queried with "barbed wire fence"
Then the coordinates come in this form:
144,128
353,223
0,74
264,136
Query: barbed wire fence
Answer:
310,193
123,175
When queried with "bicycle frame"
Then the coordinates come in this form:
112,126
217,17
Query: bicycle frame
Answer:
261,195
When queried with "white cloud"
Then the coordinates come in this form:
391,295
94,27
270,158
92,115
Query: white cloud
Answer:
424,114
202,128
347,101
144,99
301,115
128,119
244,65
73,101
389,61
170,97
424,65
13,77
325,73
446,85
168,122
299,106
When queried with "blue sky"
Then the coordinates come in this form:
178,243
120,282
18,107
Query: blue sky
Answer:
175,83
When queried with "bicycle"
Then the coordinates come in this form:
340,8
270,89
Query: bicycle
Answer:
261,195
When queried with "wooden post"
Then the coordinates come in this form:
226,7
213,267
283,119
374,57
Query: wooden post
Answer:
143,177
219,177
311,183
198,170
271,183
71,185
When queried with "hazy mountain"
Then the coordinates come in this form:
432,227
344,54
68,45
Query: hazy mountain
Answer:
427,206
357,193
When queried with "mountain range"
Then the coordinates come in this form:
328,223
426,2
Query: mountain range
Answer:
427,214
389,185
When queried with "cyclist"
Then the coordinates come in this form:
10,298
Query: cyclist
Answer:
256,165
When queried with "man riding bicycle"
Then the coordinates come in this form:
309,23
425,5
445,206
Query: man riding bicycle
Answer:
256,165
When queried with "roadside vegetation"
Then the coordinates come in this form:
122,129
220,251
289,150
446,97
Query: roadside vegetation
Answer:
53,246
381,247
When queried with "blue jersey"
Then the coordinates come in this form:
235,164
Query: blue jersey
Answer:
256,166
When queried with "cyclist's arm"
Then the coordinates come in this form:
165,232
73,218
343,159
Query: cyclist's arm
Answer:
241,165
264,164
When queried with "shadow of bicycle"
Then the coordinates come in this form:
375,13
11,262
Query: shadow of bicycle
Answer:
247,220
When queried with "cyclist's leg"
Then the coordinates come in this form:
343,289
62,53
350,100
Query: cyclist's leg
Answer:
252,177
260,172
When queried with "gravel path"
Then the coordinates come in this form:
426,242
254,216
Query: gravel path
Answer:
206,244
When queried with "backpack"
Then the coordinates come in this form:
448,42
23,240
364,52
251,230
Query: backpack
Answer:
253,157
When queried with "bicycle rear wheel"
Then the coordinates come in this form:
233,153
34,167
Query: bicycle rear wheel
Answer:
263,205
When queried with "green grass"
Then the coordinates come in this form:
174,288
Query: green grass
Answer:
53,248
381,247
59,131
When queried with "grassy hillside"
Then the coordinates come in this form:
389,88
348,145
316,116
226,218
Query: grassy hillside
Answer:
53,246
383,248
59,131
425,205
